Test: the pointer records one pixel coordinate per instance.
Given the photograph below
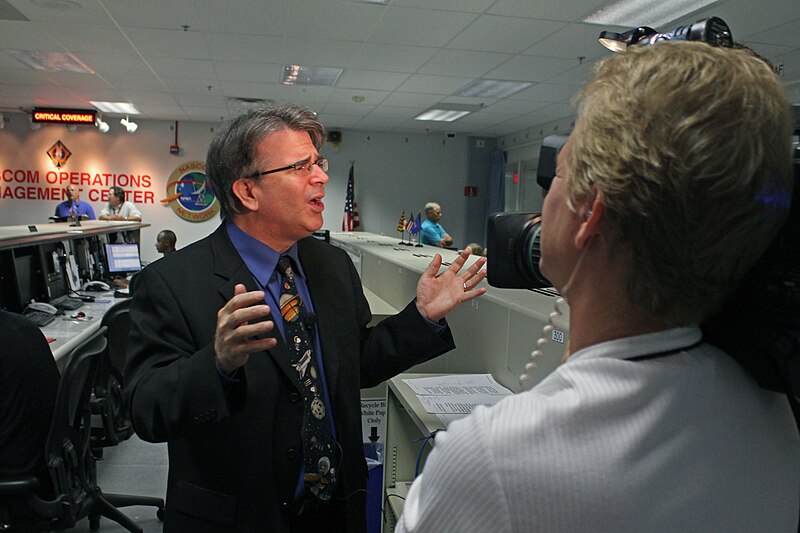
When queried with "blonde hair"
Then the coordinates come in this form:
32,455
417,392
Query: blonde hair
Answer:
690,146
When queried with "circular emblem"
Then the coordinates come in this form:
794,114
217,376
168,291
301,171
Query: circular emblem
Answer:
190,194
323,465
317,408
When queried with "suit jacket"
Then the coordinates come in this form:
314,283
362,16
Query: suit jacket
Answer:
235,450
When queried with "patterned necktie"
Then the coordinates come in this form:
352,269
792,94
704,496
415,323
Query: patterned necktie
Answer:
320,451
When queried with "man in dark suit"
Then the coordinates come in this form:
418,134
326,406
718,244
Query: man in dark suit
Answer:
28,386
209,368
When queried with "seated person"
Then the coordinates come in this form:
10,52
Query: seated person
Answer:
74,206
118,208
432,232
166,241
28,387
476,248
673,182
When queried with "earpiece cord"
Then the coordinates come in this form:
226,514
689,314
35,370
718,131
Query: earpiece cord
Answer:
547,330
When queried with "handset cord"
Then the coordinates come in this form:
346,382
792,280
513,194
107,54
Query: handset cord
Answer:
548,328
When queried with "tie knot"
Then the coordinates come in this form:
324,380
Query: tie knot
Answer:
285,266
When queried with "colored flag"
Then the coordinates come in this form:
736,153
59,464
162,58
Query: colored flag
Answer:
350,220
402,223
417,224
410,222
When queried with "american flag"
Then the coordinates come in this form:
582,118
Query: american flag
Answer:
350,220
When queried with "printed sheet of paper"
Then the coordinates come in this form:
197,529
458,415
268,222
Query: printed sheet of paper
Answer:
456,384
455,396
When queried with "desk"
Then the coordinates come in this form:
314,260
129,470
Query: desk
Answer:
407,424
46,263
14,236
68,332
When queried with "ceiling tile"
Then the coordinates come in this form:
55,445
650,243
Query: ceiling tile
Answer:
371,79
148,14
255,17
257,72
395,58
168,43
471,6
530,68
504,34
564,11
335,20
463,63
243,48
425,27
370,97
424,83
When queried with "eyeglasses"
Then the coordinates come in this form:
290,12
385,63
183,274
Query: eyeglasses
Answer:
305,166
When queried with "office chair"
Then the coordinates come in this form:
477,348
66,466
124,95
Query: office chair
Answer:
107,400
66,454
108,405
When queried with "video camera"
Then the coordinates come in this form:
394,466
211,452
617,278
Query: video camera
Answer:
760,324
513,238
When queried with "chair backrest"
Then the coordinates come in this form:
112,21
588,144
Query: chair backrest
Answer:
108,399
67,447
117,320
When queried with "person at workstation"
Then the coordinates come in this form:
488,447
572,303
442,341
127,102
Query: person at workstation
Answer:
28,386
647,227
118,208
432,232
166,241
260,408
73,206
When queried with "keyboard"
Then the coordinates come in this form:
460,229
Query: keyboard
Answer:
66,302
40,318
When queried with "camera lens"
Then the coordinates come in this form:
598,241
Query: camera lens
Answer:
531,252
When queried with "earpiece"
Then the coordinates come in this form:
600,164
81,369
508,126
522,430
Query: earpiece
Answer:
588,214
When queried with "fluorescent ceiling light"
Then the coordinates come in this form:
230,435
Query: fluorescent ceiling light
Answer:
379,2
124,108
493,88
645,12
50,61
301,75
442,115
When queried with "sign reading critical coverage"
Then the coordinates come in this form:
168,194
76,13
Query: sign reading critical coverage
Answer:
52,115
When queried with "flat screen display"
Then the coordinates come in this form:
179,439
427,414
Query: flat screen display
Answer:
123,258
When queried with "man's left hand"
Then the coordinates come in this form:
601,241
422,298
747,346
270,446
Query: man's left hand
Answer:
438,295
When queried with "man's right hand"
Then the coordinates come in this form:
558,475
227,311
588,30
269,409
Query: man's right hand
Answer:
235,336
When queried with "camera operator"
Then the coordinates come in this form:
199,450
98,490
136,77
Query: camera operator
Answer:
674,181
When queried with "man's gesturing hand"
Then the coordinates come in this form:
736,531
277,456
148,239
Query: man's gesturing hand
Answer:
235,337
439,295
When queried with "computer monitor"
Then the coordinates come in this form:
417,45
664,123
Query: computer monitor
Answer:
123,258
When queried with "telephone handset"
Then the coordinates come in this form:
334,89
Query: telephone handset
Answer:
41,306
96,286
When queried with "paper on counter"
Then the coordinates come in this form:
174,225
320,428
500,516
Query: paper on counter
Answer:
458,403
456,395
454,384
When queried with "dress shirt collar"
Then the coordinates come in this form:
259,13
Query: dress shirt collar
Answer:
641,345
260,258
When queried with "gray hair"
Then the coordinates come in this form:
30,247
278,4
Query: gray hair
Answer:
231,155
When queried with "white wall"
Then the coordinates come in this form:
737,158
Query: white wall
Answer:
393,173
145,154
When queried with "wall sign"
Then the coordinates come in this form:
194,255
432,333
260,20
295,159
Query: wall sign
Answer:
190,194
59,154
53,115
